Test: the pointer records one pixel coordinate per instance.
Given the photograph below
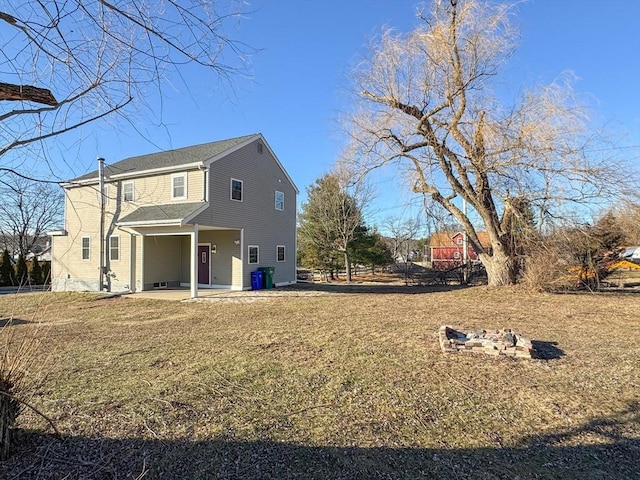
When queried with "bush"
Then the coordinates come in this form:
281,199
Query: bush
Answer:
7,274
22,272
35,274
46,273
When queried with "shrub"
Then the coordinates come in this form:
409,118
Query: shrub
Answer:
22,273
46,273
35,274
7,274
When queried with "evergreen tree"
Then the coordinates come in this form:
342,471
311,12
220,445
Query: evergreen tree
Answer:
22,273
46,273
328,222
370,249
7,274
35,274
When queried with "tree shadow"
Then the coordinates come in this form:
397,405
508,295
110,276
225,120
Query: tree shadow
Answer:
600,449
344,287
543,350
10,322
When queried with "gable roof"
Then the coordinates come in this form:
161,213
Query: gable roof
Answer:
165,160
168,159
446,239
196,156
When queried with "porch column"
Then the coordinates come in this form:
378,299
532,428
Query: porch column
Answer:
194,262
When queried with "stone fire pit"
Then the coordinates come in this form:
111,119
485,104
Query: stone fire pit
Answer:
490,342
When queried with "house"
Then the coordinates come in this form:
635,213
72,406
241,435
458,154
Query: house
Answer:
40,253
204,216
447,249
632,254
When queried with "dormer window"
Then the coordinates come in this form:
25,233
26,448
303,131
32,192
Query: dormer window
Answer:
179,186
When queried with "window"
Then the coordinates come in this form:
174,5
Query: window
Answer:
260,148
254,254
460,240
236,189
456,255
127,191
280,253
85,248
179,186
114,248
279,201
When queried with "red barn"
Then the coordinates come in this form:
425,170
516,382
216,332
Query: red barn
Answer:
447,249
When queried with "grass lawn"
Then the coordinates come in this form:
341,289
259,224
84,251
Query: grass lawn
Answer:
333,384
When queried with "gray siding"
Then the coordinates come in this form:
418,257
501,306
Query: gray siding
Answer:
263,224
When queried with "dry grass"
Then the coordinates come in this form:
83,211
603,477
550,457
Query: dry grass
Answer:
338,385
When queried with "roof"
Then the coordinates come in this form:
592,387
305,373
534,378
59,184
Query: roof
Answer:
631,252
445,239
167,159
164,214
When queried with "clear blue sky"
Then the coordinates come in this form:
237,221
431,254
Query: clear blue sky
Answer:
308,46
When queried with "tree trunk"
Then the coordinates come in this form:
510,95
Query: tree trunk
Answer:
501,268
347,263
8,414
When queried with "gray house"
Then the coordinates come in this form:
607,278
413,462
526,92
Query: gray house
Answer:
204,216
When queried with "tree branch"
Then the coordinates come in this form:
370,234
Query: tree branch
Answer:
29,93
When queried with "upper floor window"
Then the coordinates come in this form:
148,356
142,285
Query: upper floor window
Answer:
460,240
280,253
279,201
128,191
86,252
179,186
236,189
254,253
114,248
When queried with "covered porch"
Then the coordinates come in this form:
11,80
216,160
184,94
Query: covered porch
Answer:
168,254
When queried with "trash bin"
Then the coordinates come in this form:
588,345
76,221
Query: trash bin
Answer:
267,276
257,279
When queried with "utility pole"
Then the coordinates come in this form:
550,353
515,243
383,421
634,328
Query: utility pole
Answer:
102,239
465,253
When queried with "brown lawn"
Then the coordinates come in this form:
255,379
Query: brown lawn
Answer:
328,382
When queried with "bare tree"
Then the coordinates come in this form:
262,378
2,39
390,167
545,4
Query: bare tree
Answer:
27,210
403,234
427,106
67,63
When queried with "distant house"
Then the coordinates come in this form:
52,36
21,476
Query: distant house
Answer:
632,254
204,216
41,254
447,249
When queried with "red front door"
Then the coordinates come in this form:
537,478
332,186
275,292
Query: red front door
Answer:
203,264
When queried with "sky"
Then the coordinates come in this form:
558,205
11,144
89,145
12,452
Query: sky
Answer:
298,83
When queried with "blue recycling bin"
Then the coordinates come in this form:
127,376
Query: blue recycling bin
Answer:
257,279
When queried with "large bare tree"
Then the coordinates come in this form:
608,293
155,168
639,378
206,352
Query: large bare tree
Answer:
27,210
427,105
65,63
